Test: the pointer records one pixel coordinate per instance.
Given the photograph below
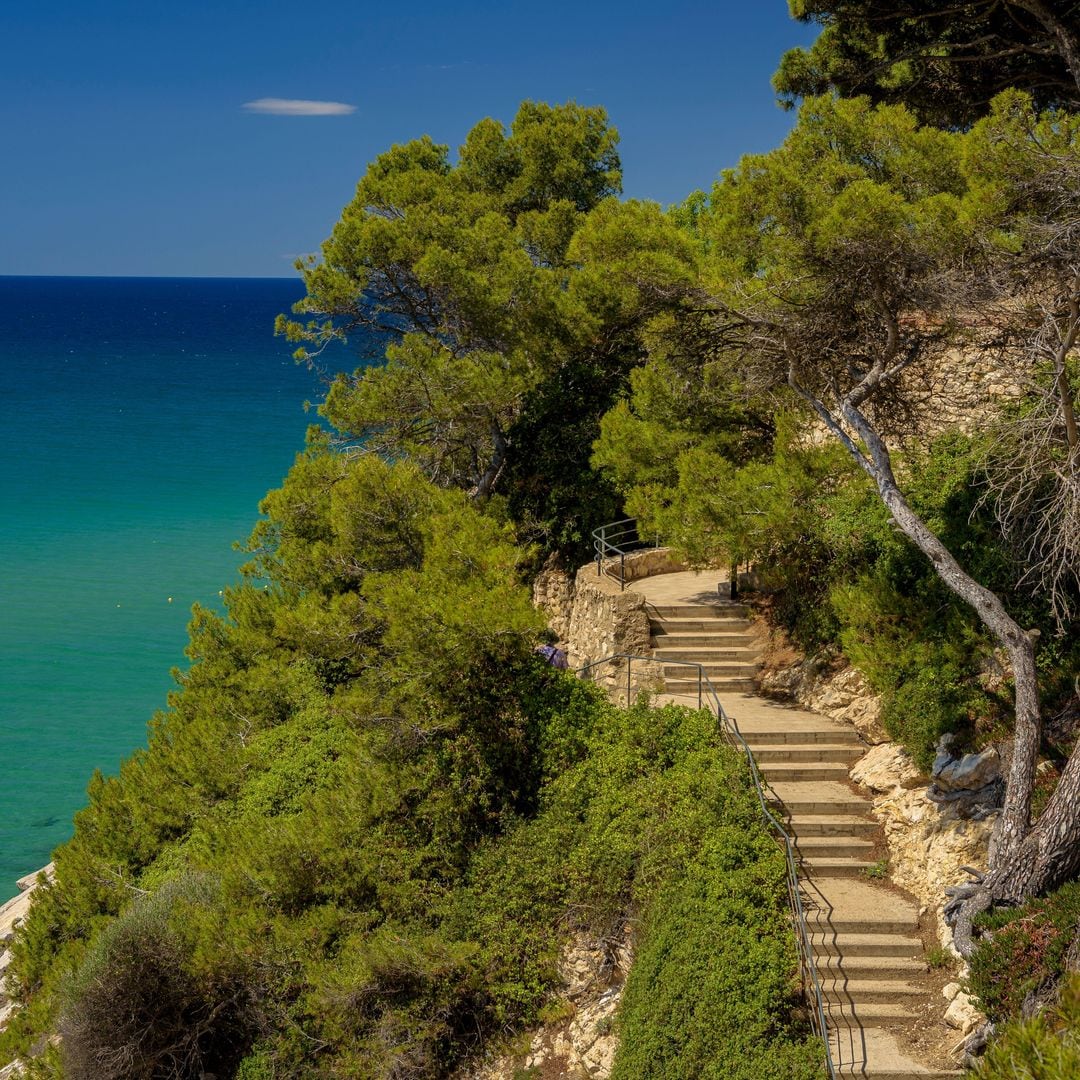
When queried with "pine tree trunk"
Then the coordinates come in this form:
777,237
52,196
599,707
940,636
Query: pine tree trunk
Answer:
1015,818
1048,856
1063,30
1025,860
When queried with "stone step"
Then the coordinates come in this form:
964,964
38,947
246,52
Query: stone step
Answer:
746,654
858,906
663,637
823,866
792,752
850,946
869,991
806,770
756,735
864,936
729,624
847,847
745,670
666,612
860,1050
806,825
820,798
853,808
870,925
871,1072
688,687
840,1012
869,967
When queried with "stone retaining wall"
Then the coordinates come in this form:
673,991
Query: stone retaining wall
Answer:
647,563
606,620
594,618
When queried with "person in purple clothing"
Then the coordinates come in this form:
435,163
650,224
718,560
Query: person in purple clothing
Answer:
551,652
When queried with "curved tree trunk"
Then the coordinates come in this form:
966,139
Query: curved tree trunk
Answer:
1015,819
1025,860
1048,856
1063,30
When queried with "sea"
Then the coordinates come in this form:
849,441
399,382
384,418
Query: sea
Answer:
143,421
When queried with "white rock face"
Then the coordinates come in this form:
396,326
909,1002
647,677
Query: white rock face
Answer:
928,841
886,769
844,696
848,697
963,1015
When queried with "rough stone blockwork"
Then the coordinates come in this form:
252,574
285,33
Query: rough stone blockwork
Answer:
595,618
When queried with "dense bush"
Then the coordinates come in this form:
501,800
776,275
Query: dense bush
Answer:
136,1007
711,992
1026,951
1046,1048
357,841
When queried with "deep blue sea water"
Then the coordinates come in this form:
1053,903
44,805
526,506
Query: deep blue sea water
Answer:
143,420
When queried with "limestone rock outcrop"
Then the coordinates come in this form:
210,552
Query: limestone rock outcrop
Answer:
928,841
843,695
972,782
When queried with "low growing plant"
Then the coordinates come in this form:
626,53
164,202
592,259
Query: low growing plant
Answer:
1025,950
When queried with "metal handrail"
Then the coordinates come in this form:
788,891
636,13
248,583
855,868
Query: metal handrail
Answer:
618,539
729,729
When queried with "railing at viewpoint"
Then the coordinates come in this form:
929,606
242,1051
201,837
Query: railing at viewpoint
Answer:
729,730
613,542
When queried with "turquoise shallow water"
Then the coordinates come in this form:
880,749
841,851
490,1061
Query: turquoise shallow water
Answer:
143,421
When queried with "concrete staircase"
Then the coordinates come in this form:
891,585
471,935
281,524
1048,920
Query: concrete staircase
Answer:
716,636
864,934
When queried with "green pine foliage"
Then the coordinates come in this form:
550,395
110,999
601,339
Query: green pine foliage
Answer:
371,817
511,290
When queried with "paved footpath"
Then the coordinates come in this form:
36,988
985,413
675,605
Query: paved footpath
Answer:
864,931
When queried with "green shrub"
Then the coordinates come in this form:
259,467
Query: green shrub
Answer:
711,992
934,701
136,1007
1046,1048
1027,950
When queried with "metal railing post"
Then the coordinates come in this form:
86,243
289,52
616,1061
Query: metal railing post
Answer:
617,538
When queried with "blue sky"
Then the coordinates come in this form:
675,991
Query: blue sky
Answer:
129,151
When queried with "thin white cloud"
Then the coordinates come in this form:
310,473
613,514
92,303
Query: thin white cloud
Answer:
298,107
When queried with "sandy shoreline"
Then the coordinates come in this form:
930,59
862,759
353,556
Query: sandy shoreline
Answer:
11,914
13,910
